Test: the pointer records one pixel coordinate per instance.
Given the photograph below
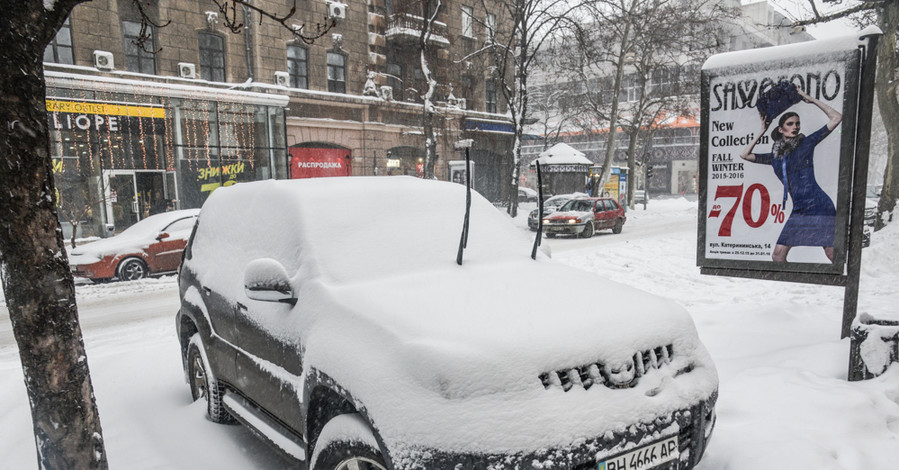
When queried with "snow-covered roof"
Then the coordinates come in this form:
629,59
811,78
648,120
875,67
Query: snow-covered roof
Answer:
563,154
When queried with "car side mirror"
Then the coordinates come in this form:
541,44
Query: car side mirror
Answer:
266,280
162,236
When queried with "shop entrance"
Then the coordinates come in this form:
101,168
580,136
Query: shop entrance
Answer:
133,195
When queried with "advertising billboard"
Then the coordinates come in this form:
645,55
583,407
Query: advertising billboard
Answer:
776,156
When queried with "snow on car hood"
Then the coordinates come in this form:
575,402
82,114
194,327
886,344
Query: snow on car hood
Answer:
478,325
452,359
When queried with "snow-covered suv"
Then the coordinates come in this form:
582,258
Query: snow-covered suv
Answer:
331,316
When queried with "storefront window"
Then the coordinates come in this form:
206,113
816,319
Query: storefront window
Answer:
127,160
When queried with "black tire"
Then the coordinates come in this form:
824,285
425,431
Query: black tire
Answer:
618,226
203,384
588,231
132,269
355,448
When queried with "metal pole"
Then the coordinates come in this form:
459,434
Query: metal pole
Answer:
860,179
539,237
464,241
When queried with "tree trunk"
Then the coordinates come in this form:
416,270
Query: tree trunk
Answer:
616,96
631,165
428,105
38,285
518,103
887,88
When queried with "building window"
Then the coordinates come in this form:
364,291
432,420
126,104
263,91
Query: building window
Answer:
490,96
465,91
395,80
60,48
212,57
296,66
490,24
631,89
139,59
467,22
336,73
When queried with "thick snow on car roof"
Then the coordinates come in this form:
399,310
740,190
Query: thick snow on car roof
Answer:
367,227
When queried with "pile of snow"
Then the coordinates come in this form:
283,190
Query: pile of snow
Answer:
784,399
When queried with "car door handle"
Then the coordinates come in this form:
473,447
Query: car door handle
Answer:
207,290
241,307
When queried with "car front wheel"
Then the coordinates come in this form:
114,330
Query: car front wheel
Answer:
132,269
347,443
203,385
588,231
618,226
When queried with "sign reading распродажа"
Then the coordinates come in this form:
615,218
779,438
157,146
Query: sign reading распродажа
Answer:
778,131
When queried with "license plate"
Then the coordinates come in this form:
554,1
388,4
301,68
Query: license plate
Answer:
644,458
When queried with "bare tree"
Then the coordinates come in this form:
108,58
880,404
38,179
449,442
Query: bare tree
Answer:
514,52
884,14
34,270
430,9
636,59
553,111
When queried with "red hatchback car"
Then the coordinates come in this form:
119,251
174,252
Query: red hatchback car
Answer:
150,247
585,215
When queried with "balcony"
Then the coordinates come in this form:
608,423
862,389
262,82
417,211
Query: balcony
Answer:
406,28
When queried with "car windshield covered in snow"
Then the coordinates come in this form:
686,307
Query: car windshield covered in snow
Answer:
335,320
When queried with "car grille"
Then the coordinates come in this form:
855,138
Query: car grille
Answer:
621,376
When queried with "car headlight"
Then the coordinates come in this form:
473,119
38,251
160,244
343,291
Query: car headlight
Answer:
545,221
572,221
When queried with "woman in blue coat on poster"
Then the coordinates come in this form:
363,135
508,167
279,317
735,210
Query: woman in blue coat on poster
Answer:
812,220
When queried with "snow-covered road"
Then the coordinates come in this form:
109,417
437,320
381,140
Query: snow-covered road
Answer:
784,401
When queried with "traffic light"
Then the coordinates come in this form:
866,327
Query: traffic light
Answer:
648,172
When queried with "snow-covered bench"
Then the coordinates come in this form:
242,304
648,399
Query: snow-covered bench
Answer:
874,345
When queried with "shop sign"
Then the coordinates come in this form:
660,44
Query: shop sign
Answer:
563,168
319,162
105,117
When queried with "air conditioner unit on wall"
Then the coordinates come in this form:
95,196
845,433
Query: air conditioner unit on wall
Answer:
187,70
337,10
103,60
282,79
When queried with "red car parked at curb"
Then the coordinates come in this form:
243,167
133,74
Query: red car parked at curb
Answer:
150,247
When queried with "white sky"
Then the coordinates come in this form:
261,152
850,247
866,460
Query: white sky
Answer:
799,9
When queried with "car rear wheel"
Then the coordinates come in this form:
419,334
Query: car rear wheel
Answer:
617,227
347,443
588,231
203,384
132,269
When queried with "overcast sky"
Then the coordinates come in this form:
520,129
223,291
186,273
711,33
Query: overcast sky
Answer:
799,9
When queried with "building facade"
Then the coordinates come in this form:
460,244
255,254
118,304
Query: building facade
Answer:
136,128
671,149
